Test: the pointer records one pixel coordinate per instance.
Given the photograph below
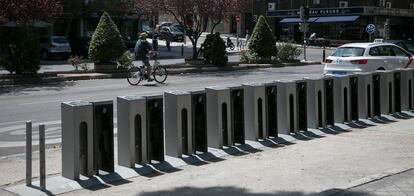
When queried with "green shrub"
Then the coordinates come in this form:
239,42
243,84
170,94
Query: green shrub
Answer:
75,61
247,56
126,59
22,53
288,51
214,51
106,44
262,41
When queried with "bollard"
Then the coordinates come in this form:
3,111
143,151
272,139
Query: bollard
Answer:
324,52
182,49
42,158
28,153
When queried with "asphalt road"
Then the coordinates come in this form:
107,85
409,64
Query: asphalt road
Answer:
41,103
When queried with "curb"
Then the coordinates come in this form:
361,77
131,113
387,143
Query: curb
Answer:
367,180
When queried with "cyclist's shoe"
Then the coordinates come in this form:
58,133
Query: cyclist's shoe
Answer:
150,79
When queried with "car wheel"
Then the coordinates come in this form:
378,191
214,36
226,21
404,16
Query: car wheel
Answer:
44,55
381,69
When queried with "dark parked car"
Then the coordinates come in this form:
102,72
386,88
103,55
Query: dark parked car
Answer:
174,33
407,45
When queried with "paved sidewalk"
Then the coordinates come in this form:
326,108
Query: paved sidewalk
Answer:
319,162
401,184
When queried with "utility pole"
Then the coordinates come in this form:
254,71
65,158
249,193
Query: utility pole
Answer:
304,16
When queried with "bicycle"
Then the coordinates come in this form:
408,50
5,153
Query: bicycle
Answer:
137,74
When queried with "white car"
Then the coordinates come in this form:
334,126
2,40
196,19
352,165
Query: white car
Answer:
54,46
366,57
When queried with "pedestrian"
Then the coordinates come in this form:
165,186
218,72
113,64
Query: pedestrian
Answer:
168,41
155,42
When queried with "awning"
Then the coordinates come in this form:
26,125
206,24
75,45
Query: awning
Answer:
337,19
327,19
297,20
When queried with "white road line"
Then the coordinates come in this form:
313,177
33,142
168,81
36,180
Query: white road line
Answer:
14,122
52,101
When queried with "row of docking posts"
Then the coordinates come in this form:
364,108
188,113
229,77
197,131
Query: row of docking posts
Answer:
183,123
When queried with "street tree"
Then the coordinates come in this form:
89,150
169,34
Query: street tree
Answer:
194,14
218,10
25,12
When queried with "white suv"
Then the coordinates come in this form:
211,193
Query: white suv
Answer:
366,57
54,46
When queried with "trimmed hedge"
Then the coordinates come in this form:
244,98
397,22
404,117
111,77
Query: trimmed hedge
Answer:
215,50
262,41
106,44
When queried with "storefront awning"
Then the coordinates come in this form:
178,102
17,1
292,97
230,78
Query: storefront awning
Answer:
296,20
337,19
327,19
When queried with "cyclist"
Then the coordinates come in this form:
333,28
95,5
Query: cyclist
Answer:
142,50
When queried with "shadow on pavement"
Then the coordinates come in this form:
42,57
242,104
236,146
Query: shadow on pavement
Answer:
26,88
235,191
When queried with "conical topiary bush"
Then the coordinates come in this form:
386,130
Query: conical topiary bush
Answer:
106,44
262,41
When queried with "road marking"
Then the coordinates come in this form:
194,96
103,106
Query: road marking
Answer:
14,122
52,101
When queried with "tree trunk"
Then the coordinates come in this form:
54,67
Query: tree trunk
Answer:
68,27
214,26
195,53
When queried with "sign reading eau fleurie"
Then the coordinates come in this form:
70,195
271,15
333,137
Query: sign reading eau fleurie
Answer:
317,12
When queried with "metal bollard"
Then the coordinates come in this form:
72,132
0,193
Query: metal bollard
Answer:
324,52
182,49
28,153
42,157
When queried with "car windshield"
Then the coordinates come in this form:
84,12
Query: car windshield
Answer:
348,52
60,40
174,29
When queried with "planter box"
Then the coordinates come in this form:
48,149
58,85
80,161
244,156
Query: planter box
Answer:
108,66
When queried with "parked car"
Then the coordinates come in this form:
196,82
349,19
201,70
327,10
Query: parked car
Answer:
174,33
366,57
407,45
54,46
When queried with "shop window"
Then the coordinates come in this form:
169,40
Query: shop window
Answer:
343,4
388,5
317,2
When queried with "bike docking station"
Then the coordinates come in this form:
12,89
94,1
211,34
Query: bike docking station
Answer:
132,131
155,128
271,109
315,102
341,99
219,126
406,91
302,105
286,104
237,114
386,92
103,129
199,120
77,139
255,111
353,98
178,124
329,111
365,95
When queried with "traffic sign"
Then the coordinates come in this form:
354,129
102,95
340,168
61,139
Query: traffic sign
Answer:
237,18
370,28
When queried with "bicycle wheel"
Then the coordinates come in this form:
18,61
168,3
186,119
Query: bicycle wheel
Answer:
160,74
232,47
134,76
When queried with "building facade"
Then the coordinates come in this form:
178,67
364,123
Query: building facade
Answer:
340,19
